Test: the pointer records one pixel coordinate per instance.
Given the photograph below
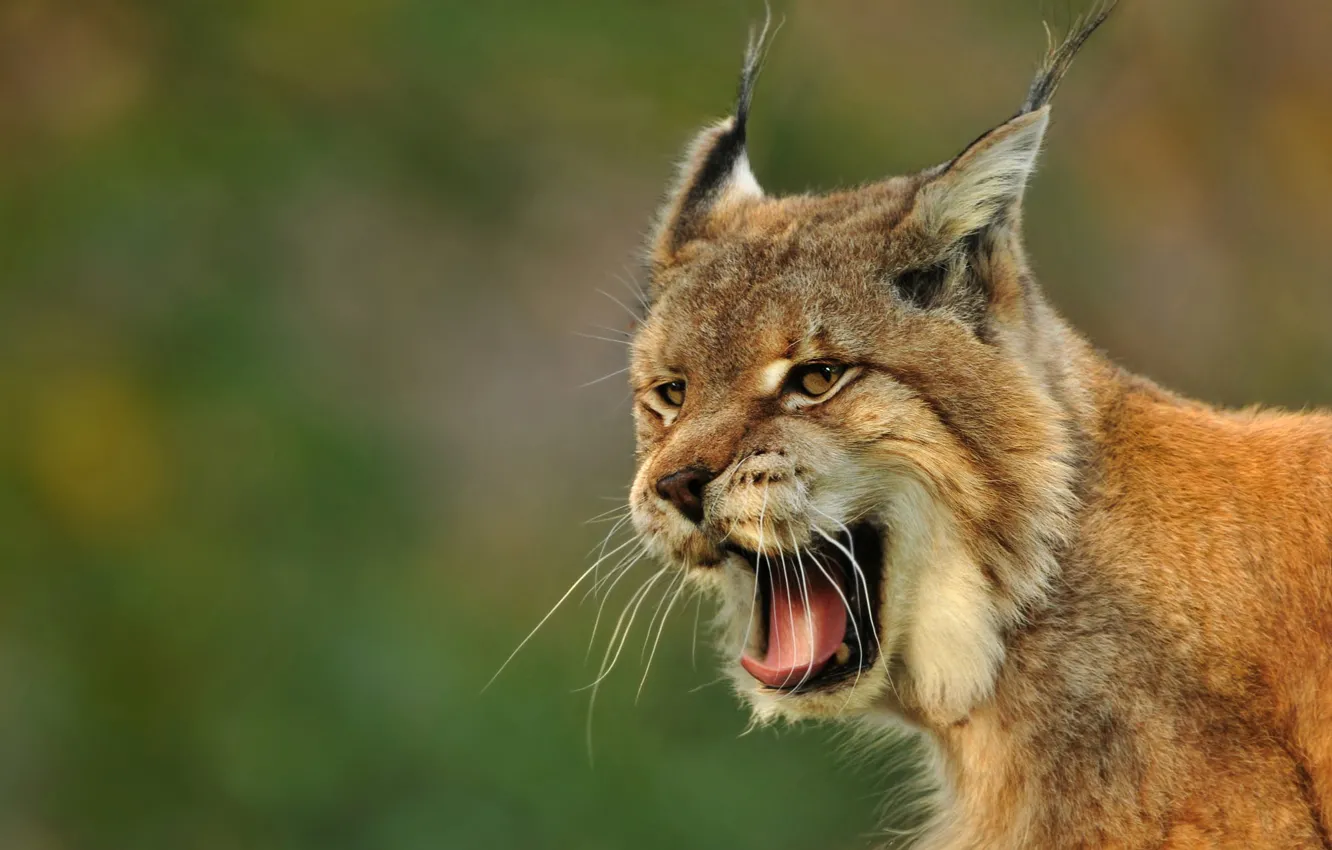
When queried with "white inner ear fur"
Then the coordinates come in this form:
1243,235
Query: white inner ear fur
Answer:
741,183
987,178
937,610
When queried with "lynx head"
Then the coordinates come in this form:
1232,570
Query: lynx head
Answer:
849,422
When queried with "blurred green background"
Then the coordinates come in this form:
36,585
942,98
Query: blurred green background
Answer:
293,448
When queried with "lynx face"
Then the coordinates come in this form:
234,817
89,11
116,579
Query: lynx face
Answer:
847,426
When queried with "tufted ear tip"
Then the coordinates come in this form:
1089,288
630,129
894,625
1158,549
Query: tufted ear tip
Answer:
715,171
986,181
1059,57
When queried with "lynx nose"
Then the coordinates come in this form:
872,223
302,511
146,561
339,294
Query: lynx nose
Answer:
684,489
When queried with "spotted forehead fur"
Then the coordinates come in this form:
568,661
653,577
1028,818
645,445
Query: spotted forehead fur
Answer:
794,270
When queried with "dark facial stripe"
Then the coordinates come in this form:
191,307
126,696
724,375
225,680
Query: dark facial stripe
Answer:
916,381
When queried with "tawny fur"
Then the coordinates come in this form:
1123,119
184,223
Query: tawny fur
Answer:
1107,609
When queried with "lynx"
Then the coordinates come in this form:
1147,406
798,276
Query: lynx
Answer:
922,500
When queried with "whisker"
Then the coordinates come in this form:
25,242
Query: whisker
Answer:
616,526
595,685
605,540
613,517
661,628
604,670
790,610
735,467
623,634
758,564
723,482
864,583
619,573
612,577
799,569
855,566
549,613
623,306
603,377
601,580
601,338
610,330
607,516
631,283
851,615
693,644
719,679
603,555
678,578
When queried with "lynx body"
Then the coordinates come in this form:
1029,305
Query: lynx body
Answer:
923,500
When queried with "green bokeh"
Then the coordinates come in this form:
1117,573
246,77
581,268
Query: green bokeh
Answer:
293,448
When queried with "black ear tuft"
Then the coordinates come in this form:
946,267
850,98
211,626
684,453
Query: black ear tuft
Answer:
729,145
716,168
1058,58
755,53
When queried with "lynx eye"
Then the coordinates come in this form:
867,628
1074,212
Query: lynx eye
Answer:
816,379
673,394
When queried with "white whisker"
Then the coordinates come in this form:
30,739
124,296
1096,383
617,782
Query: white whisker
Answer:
677,579
601,559
607,516
799,569
601,580
693,644
605,538
735,467
631,283
549,613
603,377
758,562
790,610
851,615
622,629
610,330
661,628
864,583
715,681
595,685
618,573
602,338
623,306
605,541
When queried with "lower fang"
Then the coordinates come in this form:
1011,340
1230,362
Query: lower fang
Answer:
843,654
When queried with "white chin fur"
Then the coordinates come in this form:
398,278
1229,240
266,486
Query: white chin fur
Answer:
943,618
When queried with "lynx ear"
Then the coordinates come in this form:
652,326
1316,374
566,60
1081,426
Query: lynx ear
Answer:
986,180
984,183
715,172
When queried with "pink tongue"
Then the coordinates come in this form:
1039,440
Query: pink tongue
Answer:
801,638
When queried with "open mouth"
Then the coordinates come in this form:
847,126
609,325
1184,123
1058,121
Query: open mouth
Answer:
816,614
